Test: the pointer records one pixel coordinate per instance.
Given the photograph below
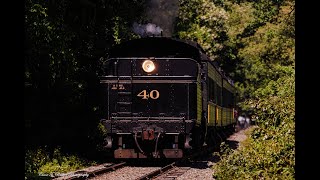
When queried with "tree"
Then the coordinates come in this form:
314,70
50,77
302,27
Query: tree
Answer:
203,22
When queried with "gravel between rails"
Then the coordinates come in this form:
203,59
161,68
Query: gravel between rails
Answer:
97,167
126,173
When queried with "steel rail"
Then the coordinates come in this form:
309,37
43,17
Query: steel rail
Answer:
83,174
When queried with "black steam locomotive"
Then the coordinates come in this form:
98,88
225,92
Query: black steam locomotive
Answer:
163,97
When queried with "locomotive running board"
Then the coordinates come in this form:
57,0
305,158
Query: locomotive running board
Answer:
131,153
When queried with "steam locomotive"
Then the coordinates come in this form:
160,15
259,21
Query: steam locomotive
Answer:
163,97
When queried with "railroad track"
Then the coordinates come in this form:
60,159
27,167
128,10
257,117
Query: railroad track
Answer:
91,171
174,173
175,169
171,171
168,171
108,171
143,171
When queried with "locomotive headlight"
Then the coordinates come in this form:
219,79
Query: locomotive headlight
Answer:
148,66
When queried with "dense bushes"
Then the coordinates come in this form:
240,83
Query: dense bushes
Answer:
267,88
257,40
64,43
269,153
42,162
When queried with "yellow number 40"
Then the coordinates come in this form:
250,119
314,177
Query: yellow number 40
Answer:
154,94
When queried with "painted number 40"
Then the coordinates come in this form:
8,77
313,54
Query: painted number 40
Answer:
154,94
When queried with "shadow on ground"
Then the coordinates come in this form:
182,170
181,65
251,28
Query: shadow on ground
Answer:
232,144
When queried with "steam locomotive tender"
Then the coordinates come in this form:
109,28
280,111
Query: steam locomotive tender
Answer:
163,97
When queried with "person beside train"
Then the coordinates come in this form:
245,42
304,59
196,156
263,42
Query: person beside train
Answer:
241,120
248,121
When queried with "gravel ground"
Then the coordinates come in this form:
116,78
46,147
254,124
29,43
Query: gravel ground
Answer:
197,172
238,136
126,173
199,169
82,171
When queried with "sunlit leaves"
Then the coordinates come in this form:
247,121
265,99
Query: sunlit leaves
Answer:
267,55
260,157
204,22
267,88
240,16
39,162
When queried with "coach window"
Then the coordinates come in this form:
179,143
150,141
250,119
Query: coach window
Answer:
232,99
224,97
228,99
218,95
211,90
214,89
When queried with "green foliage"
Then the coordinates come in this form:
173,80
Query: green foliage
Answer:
266,10
267,56
97,138
202,21
64,43
260,47
240,16
48,46
122,30
38,162
262,35
102,129
267,154
34,160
